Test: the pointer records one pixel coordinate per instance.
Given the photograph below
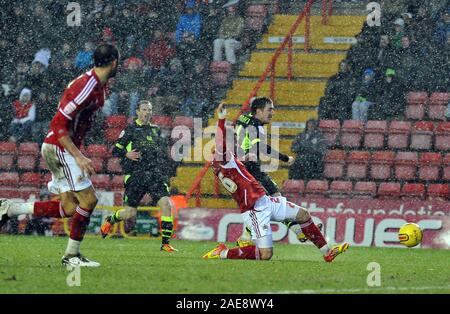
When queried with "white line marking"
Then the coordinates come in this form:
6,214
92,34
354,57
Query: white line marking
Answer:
356,290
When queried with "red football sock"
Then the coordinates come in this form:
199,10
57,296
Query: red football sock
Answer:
313,233
48,209
80,221
246,252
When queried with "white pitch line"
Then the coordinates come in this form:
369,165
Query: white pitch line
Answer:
357,290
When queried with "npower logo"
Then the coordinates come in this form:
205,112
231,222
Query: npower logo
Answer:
377,231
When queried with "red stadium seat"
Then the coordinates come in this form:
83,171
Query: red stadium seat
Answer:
366,190
6,162
442,136
357,162
415,105
293,188
421,135
437,105
220,67
316,188
183,120
97,150
46,178
117,121
398,134
31,149
334,164
30,179
9,179
164,122
381,165
438,192
27,163
8,148
117,183
389,190
97,163
330,129
351,133
112,134
446,167
43,164
256,10
100,181
413,191
374,134
429,166
113,165
405,165
340,189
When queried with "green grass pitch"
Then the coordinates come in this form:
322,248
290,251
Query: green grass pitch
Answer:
31,264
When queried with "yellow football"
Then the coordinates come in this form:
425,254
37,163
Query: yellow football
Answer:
410,234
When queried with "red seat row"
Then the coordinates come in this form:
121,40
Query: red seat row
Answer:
366,190
419,105
12,180
385,165
421,135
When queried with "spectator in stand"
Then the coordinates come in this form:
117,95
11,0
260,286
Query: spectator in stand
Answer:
84,58
442,33
188,51
365,96
409,61
396,38
339,94
130,87
24,116
168,89
198,91
190,22
159,52
230,31
385,56
310,147
390,102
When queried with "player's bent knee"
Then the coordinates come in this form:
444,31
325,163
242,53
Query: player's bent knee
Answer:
265,254
165,205
303,215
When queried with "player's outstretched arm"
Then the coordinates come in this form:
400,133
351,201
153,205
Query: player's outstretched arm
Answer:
221,133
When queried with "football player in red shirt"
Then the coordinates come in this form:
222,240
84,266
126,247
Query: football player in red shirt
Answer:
70,169
258,209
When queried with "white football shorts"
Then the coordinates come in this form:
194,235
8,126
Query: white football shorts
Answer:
268,209
66,175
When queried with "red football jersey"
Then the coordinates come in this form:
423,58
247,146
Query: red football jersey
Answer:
79,104
233,175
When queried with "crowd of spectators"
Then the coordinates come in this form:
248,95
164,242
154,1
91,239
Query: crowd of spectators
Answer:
166,49
409,51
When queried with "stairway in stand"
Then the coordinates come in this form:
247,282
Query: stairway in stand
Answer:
296,100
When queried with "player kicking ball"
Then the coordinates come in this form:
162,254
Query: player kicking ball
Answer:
258,209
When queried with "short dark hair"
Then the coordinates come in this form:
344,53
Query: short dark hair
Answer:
259,103
104,54
143,102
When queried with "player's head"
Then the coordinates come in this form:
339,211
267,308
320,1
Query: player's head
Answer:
107,56
262,109
144,111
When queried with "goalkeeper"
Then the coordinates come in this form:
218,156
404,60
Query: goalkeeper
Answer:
143,152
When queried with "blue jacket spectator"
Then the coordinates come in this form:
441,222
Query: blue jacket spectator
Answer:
84,59
190,22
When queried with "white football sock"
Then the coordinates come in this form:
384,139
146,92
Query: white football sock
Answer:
223,254
17,209
73,247
325,249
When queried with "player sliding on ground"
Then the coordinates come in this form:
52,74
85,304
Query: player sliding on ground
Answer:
258,209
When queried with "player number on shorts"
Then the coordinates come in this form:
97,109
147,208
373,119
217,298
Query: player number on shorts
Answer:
229,184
